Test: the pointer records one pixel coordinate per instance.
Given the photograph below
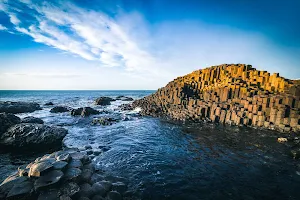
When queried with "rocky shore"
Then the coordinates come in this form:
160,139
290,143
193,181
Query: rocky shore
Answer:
64,174
234,94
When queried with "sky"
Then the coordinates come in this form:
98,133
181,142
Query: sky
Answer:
141,44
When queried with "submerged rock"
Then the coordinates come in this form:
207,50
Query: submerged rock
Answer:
103,101
49,104
18,107
127,99
84,112
104,121
60,109
33,120
7,120
33,137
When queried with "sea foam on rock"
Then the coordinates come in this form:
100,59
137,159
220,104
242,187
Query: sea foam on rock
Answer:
70,182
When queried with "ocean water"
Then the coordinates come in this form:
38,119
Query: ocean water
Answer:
162,159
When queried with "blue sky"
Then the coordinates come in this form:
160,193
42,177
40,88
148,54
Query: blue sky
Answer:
141,44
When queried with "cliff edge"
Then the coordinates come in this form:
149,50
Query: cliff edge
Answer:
236,94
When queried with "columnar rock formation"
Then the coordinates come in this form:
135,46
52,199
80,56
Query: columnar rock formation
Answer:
232,94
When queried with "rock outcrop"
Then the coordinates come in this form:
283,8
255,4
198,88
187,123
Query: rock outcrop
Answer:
236,94
32,137
18,107
7,120
65,174
104,101
33,120
84,112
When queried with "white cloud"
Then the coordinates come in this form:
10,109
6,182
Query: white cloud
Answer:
14,19
2,28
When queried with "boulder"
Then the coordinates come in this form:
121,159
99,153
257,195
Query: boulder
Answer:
104,121
70,189
23,190
49,104
18,107
33,120
75,163
125,107
59,109
49,195
60,165
113,195
84,112
7,120
103,101
49,179
85,190
10,181
72,174
40,168
119,187
33,137
99,189
86,175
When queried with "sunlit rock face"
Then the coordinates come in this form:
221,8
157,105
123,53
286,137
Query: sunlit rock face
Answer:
235,94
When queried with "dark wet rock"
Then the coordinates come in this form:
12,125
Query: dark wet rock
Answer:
33,120
75,163
104,121
78,156
59,109
99,189
125,107
127,99
89,152
89,166
49,195
85,190
70,189
96,178
86,175
33,137
72,174
60,165
113,195
10,181
98,197
7,120
22,190
84,112
84,198
103,101
49,179
65,197
18,107
106,184
119,187
49,104
295,153
88,147
119,97
97,153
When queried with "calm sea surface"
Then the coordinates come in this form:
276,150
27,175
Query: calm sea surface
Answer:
165,160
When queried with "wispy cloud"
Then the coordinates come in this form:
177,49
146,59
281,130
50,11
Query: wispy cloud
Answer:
92,35
2,28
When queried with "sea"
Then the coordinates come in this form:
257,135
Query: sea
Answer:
163,159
